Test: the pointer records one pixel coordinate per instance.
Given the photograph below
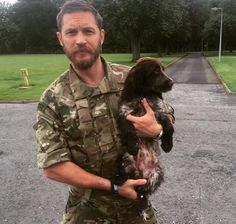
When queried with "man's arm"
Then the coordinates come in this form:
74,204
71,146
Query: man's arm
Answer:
70,173
54,157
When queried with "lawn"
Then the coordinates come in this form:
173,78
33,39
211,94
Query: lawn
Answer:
226,69
43,69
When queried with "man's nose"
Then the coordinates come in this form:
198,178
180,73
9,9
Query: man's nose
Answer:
80,39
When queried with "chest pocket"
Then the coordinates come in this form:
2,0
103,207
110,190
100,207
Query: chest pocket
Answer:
103,122
98,148
96,124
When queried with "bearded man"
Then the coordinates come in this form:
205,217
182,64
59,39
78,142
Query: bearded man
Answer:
76,125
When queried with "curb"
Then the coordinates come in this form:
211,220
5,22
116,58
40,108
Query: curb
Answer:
177,59
18,101
220,79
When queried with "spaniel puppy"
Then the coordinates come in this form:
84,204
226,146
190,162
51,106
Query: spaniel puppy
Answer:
147,79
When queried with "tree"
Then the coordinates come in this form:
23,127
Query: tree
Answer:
129,18
229,24
211,32
57,3
173,30
37,24
8,30
197,11
212,25
131,25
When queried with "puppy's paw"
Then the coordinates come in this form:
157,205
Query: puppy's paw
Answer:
167,146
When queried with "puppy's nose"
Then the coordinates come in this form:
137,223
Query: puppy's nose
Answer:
170,82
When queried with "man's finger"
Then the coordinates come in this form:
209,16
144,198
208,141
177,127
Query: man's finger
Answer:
132,118
139,182
146,105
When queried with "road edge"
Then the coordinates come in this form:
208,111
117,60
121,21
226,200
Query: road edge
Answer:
18,101
176,60
220,79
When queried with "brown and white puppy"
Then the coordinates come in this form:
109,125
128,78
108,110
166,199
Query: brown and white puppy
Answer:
147,79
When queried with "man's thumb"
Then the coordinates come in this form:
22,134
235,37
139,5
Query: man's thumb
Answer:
146,105
131,118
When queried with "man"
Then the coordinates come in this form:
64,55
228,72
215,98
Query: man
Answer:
76,129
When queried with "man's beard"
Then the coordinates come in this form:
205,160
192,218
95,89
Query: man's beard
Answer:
84,64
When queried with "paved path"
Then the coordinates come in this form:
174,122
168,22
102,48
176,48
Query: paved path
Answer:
200,183
200,186
193,69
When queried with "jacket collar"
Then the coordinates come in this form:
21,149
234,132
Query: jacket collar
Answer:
81,90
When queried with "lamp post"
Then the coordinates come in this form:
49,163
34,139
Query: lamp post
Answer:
221,26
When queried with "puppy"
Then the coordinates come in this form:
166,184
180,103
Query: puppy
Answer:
147,79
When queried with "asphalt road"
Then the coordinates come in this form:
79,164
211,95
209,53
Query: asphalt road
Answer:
194,69
200,177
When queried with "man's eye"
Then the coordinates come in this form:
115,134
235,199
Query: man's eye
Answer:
89,32
71,32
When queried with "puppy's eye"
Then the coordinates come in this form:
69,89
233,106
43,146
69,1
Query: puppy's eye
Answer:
157,70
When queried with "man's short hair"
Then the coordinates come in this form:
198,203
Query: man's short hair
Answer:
72,6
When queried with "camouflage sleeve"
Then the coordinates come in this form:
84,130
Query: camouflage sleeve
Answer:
166,108
170,111
52,146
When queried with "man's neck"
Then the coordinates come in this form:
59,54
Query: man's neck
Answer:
93,75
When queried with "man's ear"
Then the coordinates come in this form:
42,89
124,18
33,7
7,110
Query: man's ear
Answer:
59,37
102,36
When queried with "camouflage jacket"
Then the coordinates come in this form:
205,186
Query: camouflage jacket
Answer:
76,122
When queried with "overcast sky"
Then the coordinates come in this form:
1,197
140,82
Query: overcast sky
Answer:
10,1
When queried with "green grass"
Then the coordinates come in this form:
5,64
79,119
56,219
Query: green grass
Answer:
216,53
125,59
43,69
226,69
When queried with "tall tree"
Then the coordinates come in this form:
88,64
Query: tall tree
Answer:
212,25
130,18
8,30
173,29
131,25
229,24
198,14
36,20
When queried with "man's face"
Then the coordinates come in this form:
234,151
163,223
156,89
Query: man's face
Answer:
81,39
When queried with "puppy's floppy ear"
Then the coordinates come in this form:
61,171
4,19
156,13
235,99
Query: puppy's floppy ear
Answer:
129,82
139,77
129,86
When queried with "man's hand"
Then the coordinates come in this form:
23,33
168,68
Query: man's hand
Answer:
147,125
127,189
70,173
